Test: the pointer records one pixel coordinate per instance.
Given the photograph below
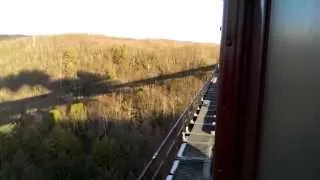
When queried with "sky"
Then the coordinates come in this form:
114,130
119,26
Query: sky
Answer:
186,20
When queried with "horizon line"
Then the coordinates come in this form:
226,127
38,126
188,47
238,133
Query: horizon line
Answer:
109,36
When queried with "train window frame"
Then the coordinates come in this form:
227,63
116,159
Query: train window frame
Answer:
241,88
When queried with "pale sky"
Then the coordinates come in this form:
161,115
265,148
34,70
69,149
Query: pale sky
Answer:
187,20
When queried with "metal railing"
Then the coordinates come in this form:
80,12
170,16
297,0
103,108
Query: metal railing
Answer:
161,159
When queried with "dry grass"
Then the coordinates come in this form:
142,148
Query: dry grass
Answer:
123,59
140,116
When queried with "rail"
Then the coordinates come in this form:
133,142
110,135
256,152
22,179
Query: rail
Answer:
161,158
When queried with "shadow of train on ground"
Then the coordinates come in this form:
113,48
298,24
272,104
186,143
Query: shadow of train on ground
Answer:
101,147
66,90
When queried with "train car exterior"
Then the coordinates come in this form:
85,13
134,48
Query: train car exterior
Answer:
268,101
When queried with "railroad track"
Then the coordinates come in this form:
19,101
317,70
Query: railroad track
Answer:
186,152
194,158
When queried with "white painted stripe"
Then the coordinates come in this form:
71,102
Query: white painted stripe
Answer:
170,177
204,124
187,129
181,150
206,102
174,166
198,142
184,137
200,134
214,80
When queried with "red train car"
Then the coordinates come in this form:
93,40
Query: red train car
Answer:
268,102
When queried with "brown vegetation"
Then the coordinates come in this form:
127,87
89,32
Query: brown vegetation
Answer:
100,104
